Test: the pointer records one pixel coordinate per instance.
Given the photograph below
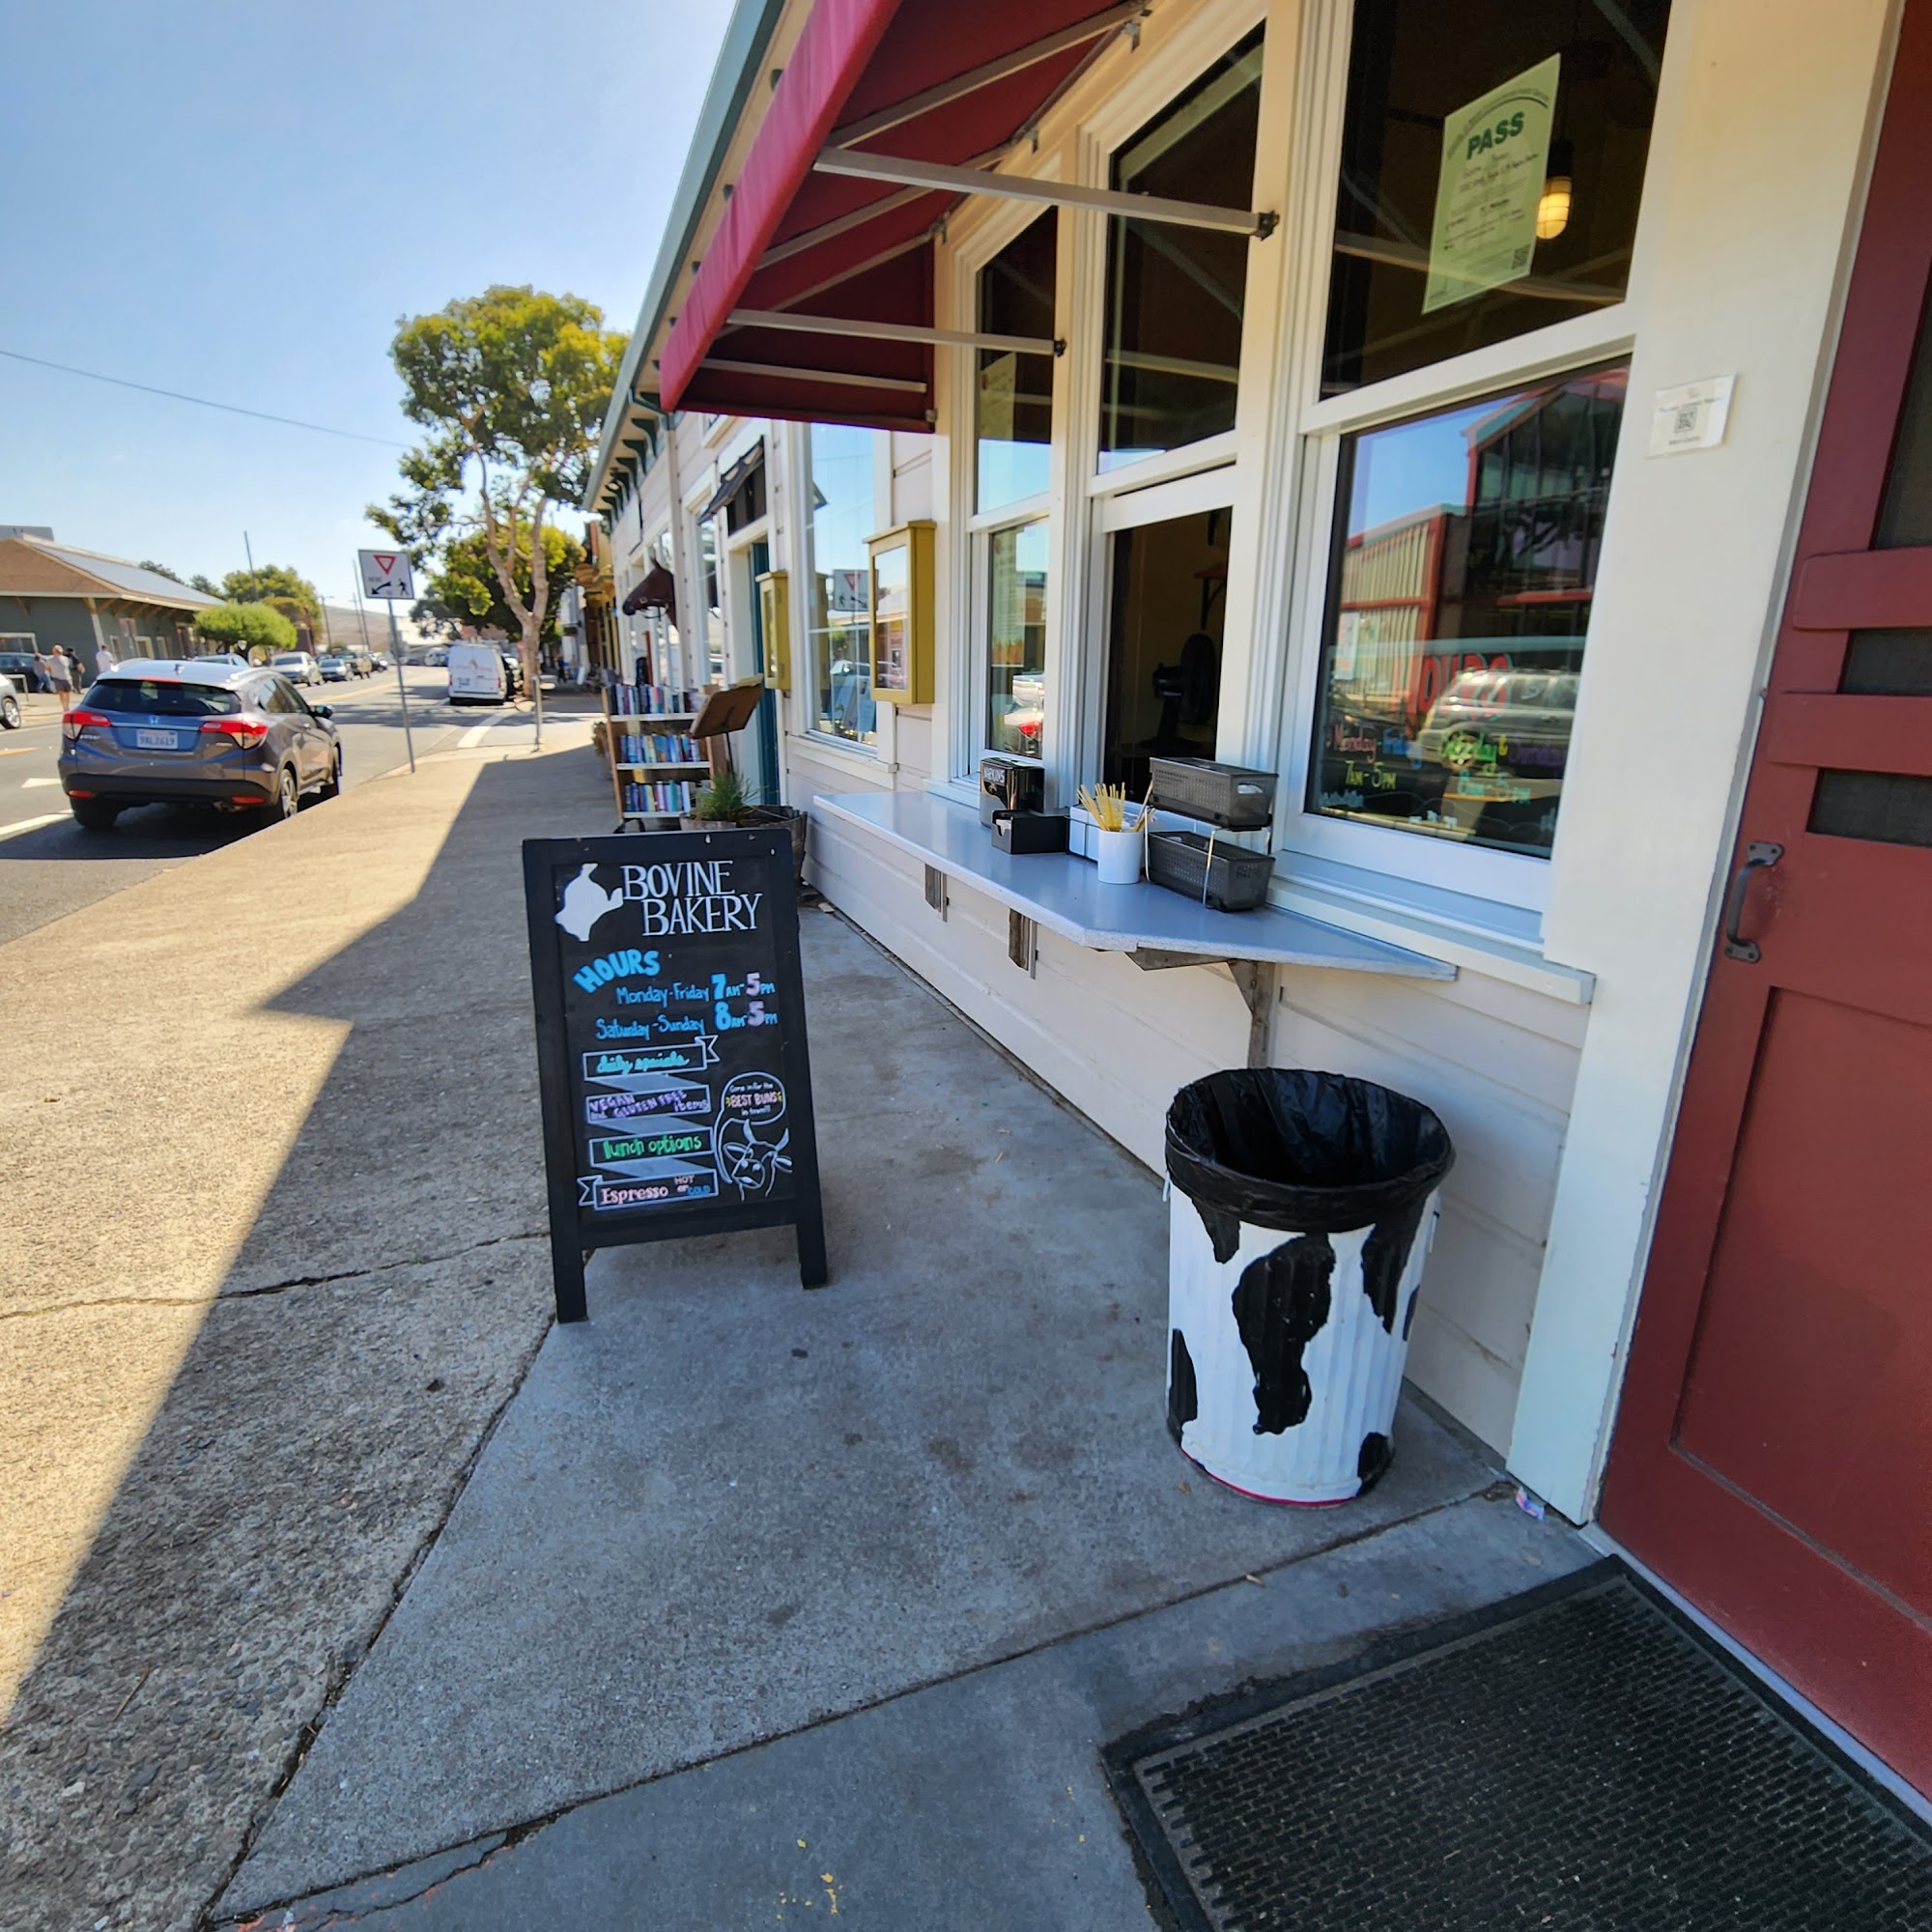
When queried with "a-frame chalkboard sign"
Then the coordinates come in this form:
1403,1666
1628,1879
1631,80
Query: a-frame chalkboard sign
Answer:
670,1043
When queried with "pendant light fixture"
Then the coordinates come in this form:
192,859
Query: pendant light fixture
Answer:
1553,207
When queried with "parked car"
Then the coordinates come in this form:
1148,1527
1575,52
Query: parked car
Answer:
513,674
436,657
298,666
362,664
19,665
476,675
336,670
9,704
181,731
231,658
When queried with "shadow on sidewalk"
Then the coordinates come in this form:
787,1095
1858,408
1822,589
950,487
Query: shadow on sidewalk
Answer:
383,1305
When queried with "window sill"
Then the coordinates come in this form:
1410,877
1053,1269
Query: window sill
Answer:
840,755
1386,909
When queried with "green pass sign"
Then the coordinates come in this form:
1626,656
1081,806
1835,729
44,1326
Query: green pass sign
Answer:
1495,153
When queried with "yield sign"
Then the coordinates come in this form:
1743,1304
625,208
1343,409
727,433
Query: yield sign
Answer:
386,573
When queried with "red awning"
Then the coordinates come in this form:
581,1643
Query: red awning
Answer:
832,245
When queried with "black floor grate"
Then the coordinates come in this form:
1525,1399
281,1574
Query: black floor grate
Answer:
1581,1759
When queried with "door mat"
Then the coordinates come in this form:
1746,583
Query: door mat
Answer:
1578,1759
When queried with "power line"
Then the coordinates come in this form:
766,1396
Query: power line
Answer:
202,402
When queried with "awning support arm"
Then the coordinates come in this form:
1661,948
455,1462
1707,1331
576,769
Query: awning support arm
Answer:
890,331
781,373
1058,194
970,82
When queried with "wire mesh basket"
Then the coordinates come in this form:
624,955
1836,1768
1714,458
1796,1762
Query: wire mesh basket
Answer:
1230,795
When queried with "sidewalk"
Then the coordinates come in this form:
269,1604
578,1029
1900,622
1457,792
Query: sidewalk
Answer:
271,1275
328,1558
761,1601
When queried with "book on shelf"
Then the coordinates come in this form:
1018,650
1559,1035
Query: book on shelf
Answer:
653,701
644,801
661,747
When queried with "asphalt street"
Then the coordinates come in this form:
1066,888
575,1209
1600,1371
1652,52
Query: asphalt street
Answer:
50,867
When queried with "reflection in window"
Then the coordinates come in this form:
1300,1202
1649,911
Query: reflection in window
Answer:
1173,349
839,625
1465,557
1016,639
1014,406
709,575
1416,70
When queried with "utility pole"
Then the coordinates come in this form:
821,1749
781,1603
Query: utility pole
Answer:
248,550
361,613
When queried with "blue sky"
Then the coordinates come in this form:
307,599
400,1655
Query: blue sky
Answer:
238,201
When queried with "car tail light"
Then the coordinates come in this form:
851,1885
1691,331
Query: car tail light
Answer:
246,732
76,721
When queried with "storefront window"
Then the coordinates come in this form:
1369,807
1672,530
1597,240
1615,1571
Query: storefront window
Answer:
1016,638
1170,359
1493,160
838,627
1014,410
1466,555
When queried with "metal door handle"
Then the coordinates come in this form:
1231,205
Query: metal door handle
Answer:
1759,856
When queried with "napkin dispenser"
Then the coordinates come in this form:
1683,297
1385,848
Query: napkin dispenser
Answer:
1006,784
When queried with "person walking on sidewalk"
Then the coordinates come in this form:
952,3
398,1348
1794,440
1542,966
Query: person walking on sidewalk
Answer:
43,677
60,674
103,660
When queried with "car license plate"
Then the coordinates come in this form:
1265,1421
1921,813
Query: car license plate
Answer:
157,741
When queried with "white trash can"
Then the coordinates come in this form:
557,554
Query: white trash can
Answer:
1303,1208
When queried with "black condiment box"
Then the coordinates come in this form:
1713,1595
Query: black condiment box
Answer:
1020,831
1008,785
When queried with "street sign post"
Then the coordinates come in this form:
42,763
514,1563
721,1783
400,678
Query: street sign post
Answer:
387,573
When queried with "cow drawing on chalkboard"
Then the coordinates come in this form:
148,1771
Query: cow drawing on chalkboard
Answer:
747,1159
585,903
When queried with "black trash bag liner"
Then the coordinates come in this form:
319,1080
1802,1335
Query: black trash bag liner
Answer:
1310,1152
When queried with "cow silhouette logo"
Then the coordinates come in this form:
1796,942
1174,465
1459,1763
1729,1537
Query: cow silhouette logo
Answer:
585,903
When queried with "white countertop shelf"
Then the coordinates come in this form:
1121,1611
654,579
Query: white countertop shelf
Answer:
649,765
1063,893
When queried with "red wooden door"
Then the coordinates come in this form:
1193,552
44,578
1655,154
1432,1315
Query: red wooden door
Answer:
1773,1455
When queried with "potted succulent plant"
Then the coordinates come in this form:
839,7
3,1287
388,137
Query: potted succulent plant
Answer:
721,802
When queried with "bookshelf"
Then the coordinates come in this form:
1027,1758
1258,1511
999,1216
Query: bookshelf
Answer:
655,765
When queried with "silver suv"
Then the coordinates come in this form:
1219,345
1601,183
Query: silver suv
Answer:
187,731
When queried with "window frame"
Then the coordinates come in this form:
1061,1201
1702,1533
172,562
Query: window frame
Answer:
803,694
1305,438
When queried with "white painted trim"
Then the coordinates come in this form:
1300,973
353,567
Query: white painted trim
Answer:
1161,502
1164,465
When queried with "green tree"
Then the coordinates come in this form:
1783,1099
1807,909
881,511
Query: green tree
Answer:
248,628
511,386
204,584
275,584
464,587
161,570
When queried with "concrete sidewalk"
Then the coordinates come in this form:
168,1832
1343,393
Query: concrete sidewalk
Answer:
271,1196
759,1601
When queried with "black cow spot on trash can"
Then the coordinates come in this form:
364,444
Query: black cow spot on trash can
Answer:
1182,1395
1384,1255
1373,1460
1280,1304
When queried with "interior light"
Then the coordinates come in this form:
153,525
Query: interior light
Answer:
1553,207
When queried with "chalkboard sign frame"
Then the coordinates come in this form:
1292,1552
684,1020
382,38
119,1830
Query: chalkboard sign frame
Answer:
575,1231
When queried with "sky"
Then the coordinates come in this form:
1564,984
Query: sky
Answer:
240,202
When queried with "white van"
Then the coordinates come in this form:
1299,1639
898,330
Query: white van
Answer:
476,674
